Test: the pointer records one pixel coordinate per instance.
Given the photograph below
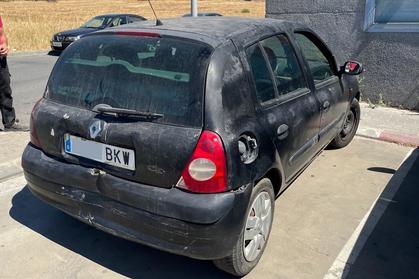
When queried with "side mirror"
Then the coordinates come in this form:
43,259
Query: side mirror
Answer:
352,68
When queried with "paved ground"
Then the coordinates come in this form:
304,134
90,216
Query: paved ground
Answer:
314,219
392,249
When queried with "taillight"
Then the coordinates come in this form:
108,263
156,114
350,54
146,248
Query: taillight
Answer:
34,135
206,171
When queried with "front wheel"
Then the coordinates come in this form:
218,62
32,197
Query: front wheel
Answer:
349,128
255,233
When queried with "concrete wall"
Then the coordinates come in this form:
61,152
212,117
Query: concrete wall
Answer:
391,59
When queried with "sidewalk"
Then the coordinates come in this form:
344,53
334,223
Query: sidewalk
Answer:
389,124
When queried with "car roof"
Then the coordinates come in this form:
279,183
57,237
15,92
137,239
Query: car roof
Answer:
214,30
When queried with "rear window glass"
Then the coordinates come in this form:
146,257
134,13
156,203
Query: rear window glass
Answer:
147,74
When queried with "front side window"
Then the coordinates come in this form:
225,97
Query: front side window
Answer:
392,16
147,74
318,63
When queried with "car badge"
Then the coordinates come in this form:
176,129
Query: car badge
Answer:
96,128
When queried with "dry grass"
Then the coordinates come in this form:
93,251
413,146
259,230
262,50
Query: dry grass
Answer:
30,24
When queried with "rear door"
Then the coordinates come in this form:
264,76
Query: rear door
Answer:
288,109
145,73
326,83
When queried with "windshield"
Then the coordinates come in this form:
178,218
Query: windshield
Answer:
97,22
155,75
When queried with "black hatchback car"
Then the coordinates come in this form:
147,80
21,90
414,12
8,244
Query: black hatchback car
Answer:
181,136
63,39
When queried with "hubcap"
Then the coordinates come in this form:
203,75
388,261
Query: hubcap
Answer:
258,225
349,124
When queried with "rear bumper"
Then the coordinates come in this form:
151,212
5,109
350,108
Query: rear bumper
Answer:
198,226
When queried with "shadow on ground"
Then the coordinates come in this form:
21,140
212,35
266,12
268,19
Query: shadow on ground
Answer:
392,249
54,53
382,170
124,257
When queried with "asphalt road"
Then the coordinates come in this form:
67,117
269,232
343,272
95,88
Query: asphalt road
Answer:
29,77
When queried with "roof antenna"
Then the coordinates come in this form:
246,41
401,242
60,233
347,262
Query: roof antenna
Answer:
158,21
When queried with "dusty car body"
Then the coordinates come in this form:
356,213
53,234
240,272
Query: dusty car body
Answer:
219,116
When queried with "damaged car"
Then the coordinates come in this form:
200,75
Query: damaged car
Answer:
181,136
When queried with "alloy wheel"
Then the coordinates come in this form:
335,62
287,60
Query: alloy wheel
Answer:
258,225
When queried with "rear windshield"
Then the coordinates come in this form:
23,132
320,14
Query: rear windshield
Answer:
147,74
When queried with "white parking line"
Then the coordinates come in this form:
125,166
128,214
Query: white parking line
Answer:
356,242
10,169
11,163
12,184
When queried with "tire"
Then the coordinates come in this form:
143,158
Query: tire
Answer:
242,261
351,126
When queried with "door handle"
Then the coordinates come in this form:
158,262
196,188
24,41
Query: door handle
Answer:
326,106
282,132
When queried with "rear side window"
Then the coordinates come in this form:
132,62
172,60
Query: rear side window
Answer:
261,74
119,21
147,74
320,67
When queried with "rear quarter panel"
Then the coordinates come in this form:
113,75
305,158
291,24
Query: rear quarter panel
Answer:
230,112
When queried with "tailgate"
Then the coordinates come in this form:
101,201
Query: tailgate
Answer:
161,151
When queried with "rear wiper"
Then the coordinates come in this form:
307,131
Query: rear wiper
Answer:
121,112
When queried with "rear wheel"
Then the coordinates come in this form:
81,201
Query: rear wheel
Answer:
349,128
255,233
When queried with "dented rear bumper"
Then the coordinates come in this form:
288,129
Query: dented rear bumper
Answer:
201,226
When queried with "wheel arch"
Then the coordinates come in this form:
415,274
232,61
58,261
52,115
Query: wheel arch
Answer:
276,178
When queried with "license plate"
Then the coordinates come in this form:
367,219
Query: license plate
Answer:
104,153
57,44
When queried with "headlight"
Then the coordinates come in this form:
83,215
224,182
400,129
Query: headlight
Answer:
73,38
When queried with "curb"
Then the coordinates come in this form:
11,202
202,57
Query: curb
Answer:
388,136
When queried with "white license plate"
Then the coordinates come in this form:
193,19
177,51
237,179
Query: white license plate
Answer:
57,44
104,153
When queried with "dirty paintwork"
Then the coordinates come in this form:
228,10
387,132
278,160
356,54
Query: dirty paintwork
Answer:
144,205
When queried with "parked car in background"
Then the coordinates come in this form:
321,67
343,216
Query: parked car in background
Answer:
181,136
203,14
63,39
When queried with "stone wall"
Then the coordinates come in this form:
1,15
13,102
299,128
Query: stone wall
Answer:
391,59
